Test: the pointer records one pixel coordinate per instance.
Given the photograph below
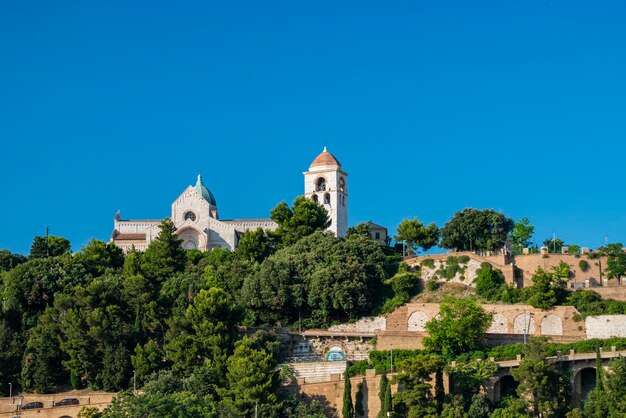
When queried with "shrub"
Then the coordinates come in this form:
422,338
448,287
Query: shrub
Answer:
428,263
432,285
584,265
453,266
488,281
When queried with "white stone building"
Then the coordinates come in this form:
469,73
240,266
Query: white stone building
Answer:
197,222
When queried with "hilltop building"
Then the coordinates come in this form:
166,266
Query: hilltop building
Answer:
197,220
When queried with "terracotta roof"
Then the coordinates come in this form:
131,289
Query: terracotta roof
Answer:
130,237
325,158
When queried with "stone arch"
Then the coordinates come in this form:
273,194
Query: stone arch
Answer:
551,325
417,321
320,184
584,382
499,324
505,386
335,352
524,324
192,238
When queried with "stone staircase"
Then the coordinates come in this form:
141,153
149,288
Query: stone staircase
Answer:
319,371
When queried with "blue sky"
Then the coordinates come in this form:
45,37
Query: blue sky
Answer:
431,106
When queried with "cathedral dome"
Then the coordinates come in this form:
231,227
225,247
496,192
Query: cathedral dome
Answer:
325,158
204,192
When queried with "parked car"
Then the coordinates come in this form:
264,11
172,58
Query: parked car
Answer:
33,405
67,401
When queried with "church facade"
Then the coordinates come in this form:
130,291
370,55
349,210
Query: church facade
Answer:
197,221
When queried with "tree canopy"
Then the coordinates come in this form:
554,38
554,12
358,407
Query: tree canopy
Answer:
460,326
476,230
417,235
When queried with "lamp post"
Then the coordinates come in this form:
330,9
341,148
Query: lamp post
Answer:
11,390
134,382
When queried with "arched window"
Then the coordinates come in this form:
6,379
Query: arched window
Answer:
315,198
327,199
320,184
342,185
190,216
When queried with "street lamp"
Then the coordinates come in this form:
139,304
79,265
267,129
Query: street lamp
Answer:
11,390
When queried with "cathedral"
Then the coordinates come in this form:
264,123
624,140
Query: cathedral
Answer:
199,226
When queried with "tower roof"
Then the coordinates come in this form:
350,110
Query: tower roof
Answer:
204,192
325,158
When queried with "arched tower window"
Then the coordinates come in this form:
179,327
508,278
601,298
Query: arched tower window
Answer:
315,198
320,184
327,199
342,185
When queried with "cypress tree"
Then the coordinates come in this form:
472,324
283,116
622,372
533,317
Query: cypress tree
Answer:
387,400
384,383
348,408
358,402
598,370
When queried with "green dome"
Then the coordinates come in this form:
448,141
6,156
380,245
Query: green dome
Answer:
204,192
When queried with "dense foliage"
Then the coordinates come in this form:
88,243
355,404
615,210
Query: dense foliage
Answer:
476,230
170,319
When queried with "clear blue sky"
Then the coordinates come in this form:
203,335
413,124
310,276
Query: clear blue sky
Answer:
431,106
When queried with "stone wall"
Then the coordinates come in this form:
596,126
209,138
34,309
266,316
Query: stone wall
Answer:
365,325
606,326
331,393
527,265
611,292
406,325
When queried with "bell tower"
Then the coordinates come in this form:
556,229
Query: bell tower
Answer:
326,183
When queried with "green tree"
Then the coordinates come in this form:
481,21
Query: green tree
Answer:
252,378
97,256
459,327
316,280
476,230
9,260
206,333
49,246
417,399
608,399
417,235
359,230
479,407
146,360
488,281
303,219
454,409
11,349
547,290
555,245
382,395
468,376
255,245
615,262
347,410
522,234
358,401
164,256
41,365
542,385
